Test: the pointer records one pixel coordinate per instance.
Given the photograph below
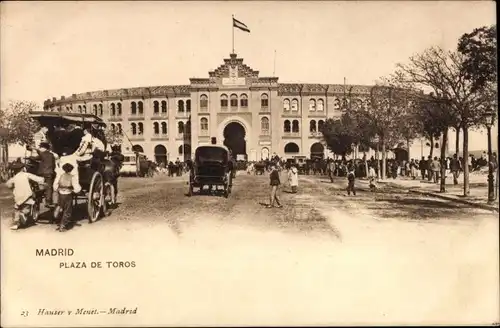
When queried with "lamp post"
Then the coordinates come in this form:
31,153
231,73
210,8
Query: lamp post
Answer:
489,117
376,139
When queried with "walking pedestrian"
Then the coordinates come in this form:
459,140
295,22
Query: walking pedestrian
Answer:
351,176
293,179
65,185
435,167
274,178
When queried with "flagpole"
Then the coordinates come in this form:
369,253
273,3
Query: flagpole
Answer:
274,65
232,24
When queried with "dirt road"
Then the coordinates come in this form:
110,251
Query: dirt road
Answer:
324,258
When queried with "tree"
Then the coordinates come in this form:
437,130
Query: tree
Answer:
443,72
18,126
387,102
479,49
113,136
337,136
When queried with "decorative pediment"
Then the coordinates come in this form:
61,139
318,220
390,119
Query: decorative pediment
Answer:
234,67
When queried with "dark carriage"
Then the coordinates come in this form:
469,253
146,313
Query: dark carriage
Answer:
259,168
98,177
212,166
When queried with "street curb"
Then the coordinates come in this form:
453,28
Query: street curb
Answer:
453,199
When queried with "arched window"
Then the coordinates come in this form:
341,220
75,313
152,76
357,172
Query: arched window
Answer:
291,147
140,128
264,153
113,127
164,128
156,107
312,126
119,128
156,128
295,105
234,101
80,109
264,125
101,112
141,108
85,109
264,101
180,127
119,109
180,106
295,126
163,106
244,101
321,124
312,105
321,105
203,102
94,110
134,128
204,126
223,101
188,106
286,126
180,150
286,105
133,108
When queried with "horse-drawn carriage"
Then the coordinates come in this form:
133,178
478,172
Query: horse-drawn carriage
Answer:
98,176
259,168
212,166
137,164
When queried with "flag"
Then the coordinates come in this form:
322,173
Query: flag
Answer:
240,25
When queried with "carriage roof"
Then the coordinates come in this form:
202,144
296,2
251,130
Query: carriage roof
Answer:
213,146
52,118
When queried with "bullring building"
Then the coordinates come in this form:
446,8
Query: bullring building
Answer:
252,115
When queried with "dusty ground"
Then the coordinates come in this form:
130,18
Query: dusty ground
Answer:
325,258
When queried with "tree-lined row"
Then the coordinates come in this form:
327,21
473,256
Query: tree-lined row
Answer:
432,92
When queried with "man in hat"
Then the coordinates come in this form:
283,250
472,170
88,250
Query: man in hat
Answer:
65,185
46,169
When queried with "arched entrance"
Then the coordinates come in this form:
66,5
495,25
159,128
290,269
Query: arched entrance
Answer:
234,138
291,148
160,154
317,150
137,148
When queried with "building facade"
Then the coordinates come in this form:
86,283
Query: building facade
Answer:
252,115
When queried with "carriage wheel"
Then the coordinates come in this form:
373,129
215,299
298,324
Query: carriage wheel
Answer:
109,195
35,211
95,197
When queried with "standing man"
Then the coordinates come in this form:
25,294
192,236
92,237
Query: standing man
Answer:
422,166
455,167
47,170
274,183
351,176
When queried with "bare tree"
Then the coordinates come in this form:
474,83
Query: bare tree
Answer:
442,71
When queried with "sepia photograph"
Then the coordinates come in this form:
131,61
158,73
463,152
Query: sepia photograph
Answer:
249,163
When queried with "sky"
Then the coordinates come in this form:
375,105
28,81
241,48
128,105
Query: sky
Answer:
50,49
